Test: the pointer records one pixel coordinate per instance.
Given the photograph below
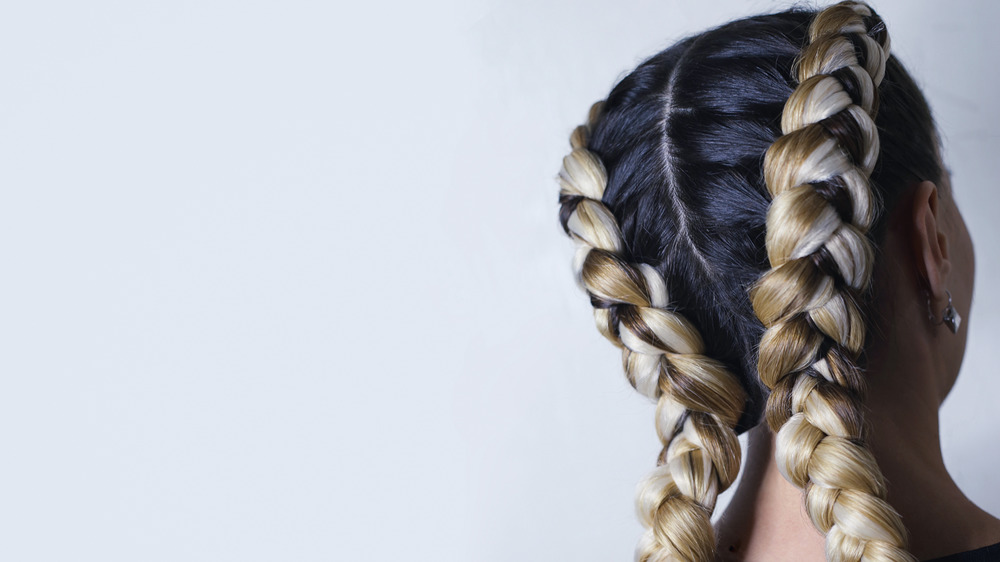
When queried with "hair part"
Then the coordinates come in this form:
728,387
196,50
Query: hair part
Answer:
748,170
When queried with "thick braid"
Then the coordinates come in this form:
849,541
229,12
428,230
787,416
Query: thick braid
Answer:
821,264
698,401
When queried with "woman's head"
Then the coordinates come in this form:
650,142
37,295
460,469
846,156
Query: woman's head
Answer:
683,139
727,239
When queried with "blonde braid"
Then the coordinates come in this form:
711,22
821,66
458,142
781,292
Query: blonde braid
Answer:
698,401
821,258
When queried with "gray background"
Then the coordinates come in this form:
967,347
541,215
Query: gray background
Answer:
284,280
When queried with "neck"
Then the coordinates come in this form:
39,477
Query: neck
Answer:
766,518
905,438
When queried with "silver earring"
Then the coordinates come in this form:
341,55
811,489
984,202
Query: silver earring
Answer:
950,317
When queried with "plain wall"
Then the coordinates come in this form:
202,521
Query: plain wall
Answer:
285,281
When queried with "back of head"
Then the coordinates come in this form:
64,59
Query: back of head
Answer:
728,199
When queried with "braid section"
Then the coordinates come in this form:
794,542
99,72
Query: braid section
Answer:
698,401
821,260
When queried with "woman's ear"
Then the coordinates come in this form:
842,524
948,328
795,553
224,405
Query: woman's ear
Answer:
930,244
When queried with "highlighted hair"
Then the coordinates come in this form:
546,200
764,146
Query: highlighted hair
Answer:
821,258
698,402
731,258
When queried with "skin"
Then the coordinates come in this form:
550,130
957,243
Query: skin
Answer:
911,369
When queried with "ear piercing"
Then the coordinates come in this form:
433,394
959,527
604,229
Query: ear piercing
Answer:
950,317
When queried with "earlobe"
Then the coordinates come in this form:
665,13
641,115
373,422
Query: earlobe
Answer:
930,244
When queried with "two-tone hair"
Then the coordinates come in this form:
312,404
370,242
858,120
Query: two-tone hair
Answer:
728,200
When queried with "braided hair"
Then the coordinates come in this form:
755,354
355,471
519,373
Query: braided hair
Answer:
698,400
727,201
821,262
